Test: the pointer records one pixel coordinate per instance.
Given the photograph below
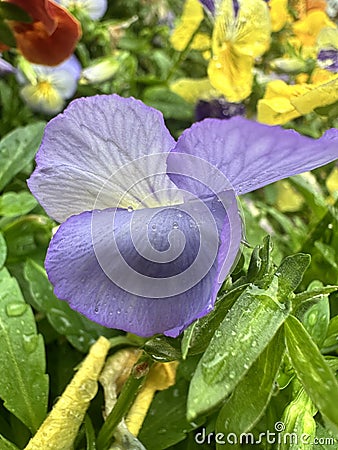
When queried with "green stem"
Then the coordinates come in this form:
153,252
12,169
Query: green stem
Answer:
124,402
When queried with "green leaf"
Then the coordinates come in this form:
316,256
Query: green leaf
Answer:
27,236
7,445
326,440
238,415
16,203
3,250
163,349
260,270
316,320
290,273
312,295
90,434
197,337
311,368
10,11
166,424
298,421
24,385
6,35
17,149
80,331
241,338
331,339
170,104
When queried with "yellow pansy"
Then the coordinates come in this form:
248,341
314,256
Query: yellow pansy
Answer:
236,41
279,14
283,102
307,29
191,19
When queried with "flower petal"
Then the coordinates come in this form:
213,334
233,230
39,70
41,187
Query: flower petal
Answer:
252,155
95,8
104,151
104,263
42,43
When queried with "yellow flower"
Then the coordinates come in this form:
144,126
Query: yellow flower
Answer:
191,19
283,102
307,29
279,14
236,42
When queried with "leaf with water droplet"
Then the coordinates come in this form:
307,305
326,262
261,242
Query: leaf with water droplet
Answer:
316,320
311,368
80,331
255,317
24,385
238,415
17,149
290,274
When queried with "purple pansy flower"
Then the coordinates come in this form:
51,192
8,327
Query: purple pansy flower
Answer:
151,226
328,59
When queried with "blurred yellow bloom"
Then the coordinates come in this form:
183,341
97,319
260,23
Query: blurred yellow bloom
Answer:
332,183
193,90
236,42
192,16
307,29
279,14
283,102
288,199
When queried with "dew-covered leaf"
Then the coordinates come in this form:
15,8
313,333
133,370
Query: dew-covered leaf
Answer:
196,338
316,319
80,331
242,336
237,414
290,273
24,385
17,149
16,203
311,368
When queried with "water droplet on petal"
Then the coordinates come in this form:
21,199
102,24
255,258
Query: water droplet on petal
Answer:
15,309
118,312
175,225
130,209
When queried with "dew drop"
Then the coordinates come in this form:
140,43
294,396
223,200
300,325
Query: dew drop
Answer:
175,225
118,312
130,209
153,227
30,342
15,309
96,310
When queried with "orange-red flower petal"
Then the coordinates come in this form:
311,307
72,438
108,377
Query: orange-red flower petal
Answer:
51,37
